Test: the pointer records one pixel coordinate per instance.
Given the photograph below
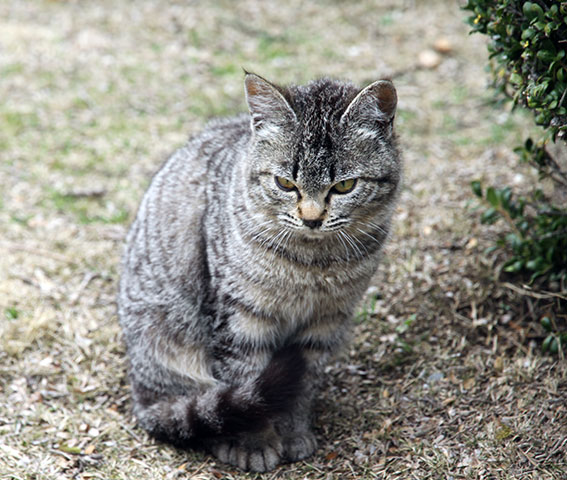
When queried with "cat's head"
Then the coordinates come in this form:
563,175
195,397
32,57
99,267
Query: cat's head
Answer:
323,156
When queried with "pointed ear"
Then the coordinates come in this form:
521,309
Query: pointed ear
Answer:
269,110
374,104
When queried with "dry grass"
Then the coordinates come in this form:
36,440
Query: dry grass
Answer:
444,379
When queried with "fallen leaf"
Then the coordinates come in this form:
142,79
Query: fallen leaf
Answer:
67,449
472,243
36,397
469,383
498,363
331,456
448,401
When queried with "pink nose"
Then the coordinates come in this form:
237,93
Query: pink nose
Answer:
310,211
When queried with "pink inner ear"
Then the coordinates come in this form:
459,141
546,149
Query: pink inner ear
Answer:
252,87
386,95
265,102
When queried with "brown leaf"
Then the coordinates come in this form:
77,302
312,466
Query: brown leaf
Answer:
469,383
216,473
331,456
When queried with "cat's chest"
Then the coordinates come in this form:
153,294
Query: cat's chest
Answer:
290,292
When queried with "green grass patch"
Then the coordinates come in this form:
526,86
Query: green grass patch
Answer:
88,210
12,69
14,123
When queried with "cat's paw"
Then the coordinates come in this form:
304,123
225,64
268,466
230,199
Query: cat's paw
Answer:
249,455
299,445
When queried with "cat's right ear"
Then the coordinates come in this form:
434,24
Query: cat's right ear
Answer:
375,105
269,110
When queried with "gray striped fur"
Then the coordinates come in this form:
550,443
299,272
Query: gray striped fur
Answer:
235,293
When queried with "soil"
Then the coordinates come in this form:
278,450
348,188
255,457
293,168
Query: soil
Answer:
445,377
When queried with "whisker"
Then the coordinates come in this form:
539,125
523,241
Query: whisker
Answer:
249,227
340,237
349,239
276,237
380,228
372,237
284,247
270,239
285,236
357,240
260,233
336,222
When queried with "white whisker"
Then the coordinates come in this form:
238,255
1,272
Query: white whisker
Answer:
349,239
372,237
277,237
285,235
357,240
377,227
340,237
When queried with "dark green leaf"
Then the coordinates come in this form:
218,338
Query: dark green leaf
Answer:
476,188
491,196
546,343
546,323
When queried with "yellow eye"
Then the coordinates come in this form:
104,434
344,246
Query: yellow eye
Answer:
285,184
345,186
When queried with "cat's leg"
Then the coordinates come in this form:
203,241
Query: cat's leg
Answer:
258,452
253,443
298,439
320,343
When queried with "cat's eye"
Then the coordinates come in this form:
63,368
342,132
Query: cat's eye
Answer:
285,184
345,186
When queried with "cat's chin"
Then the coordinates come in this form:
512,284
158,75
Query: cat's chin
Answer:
313,235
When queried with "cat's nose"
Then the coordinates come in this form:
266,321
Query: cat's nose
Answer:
312,223
311,212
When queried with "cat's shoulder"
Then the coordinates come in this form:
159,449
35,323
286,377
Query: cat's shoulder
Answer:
222,127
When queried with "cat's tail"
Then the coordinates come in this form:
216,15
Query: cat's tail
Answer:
225,410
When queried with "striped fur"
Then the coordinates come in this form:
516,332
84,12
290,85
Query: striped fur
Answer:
233,298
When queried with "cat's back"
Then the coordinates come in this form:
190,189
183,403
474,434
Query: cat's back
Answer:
162,246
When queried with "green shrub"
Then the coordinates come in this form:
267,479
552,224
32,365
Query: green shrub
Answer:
528,43
528,61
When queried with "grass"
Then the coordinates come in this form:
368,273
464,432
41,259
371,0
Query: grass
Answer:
444,378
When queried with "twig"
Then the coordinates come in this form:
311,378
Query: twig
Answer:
87,193
555,168
528,457
88,277
132,433
530,293
36,251
562,97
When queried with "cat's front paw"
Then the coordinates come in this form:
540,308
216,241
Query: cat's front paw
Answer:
299,446
249,456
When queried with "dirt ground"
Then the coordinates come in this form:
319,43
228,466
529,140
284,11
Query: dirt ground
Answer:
444,379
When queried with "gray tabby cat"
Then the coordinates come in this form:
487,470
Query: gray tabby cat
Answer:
249,253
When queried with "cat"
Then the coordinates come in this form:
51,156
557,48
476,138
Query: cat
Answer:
249,253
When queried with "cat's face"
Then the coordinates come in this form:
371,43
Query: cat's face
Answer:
323,158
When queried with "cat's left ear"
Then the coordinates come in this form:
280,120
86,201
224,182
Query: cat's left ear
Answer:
269,110
375,104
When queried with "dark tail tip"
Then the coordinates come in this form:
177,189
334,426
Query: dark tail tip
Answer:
281,381
274,392
182,421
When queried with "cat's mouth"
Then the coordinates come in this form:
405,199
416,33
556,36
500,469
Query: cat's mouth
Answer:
317,233
313,234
